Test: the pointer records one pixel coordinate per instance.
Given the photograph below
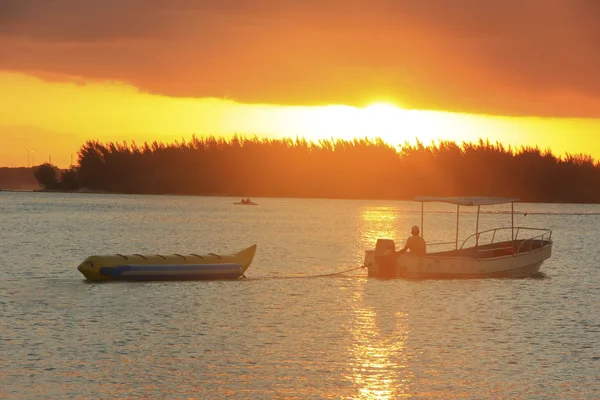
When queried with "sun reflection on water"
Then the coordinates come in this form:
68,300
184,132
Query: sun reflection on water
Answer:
379,222
378,363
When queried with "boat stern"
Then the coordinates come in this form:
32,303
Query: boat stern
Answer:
369,261
245,257
382,259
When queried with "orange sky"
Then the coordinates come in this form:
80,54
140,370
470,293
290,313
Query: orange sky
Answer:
521,72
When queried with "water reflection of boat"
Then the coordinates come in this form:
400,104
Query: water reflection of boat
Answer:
521,256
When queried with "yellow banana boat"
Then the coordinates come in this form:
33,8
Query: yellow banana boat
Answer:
167,267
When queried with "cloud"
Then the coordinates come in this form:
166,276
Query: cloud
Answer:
515,57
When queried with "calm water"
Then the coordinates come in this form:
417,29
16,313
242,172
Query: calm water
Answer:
282,332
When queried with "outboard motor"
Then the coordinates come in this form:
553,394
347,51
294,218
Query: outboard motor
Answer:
385,257
385,247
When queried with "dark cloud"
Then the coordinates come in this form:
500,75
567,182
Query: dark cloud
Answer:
496,56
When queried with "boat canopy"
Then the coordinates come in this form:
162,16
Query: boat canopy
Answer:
467,201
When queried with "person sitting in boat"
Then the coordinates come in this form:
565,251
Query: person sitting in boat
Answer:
415,243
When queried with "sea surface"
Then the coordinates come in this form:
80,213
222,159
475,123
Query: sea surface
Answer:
293,328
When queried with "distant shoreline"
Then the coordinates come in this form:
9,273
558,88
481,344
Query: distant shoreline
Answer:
89,191
83,190
55,191
362,169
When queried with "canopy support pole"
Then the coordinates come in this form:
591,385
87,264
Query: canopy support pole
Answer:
422,230
457,215
477,228
512,219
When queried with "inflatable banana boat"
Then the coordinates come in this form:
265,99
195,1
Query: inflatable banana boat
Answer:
167,267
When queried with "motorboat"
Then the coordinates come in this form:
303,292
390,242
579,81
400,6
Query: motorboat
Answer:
167,267
481,255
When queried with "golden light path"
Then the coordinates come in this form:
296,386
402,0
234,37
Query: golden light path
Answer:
379,365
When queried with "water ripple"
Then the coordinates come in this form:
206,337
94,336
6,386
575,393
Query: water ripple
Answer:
278,334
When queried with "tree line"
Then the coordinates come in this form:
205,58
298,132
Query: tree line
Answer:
17,178
333,168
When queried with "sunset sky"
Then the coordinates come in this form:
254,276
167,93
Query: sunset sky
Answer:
522,72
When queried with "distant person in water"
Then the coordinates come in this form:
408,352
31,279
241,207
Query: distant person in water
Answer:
415,243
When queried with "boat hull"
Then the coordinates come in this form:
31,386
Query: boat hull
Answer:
170,272
159,267
491,262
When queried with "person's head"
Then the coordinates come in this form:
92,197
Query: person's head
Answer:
414,230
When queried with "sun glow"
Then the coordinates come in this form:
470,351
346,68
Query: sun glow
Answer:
385,120
391,123
56,118
378,120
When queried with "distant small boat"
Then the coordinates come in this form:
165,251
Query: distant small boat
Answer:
245,202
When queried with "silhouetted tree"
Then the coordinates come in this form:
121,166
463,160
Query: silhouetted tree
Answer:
335,168
68,179
46,175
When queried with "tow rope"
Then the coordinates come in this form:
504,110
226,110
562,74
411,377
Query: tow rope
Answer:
337,273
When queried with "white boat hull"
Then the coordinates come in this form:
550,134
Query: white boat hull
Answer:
503,263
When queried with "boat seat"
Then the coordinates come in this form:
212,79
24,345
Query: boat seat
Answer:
509,250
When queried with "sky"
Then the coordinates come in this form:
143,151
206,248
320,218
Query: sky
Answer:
522,72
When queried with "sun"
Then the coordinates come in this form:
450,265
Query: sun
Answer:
388,121
397,125
377,120
383,108
384,120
